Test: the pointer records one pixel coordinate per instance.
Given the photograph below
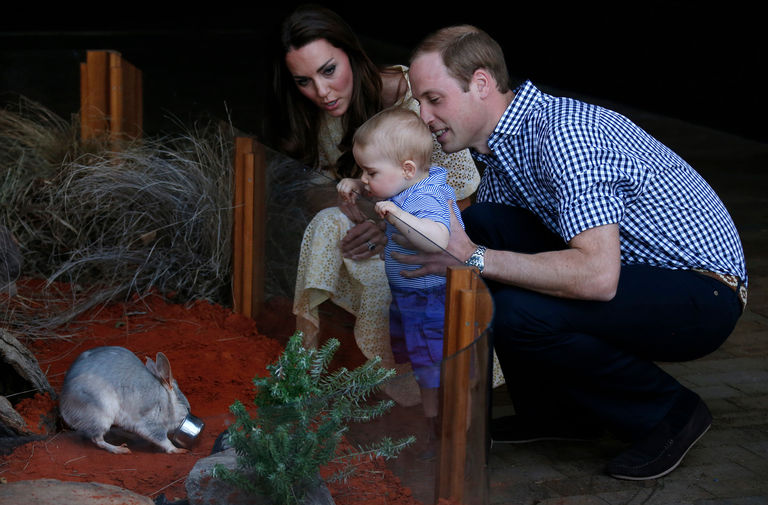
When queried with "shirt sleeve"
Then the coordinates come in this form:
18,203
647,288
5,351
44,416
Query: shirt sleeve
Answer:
592,179
429,206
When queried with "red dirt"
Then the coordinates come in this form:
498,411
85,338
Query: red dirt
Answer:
214,355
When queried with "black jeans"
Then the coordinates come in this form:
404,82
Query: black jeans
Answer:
594,361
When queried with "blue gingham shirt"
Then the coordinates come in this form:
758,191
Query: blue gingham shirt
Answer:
578,166
428,199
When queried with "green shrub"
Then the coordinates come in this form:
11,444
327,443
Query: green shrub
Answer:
302,411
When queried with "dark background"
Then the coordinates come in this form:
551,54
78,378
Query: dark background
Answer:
702,64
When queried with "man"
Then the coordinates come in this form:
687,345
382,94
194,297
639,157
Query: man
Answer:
604,251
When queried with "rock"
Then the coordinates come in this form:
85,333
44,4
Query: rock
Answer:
10,419
9,443
20,373
56,492
203,489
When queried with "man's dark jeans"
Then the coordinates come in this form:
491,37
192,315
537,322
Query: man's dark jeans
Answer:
594,361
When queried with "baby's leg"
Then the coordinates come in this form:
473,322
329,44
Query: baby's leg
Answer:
430,401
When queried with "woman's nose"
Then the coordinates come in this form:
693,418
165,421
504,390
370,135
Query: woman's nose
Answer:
322,89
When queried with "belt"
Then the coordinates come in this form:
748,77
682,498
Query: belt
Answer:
731,281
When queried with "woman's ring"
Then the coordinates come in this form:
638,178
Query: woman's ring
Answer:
371,245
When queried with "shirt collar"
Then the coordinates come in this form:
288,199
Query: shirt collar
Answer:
526,96
437,176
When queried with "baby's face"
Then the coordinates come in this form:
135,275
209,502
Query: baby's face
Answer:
383,178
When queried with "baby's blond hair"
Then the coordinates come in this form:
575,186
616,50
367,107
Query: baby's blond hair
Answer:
400,134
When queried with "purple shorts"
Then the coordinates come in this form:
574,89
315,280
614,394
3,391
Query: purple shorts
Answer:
416,321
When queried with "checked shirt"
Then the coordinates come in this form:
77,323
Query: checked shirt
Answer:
578,166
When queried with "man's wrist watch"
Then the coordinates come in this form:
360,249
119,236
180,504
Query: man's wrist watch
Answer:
477,259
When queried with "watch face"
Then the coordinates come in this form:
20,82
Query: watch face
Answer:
477,260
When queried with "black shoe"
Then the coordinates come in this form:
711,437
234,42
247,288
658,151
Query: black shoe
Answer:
522,429
663,449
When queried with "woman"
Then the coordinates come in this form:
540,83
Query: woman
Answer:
327,87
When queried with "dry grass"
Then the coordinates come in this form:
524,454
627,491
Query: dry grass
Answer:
152,216
101,224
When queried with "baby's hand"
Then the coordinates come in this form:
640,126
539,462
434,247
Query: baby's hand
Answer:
347,189
385,207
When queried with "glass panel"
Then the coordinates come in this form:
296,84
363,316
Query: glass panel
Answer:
448,458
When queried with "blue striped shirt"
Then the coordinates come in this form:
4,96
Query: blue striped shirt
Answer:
428,199
578,166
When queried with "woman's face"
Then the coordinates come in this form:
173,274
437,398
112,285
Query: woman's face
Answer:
323,74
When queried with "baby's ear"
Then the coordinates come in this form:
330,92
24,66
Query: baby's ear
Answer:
409,169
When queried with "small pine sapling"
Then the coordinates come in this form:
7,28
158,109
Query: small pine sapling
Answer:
302,411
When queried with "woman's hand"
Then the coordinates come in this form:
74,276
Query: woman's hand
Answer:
352,211
364,240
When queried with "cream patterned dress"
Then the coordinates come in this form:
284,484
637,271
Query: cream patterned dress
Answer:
360,286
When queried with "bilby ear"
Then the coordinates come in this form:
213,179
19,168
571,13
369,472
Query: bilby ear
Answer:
161,368
409,169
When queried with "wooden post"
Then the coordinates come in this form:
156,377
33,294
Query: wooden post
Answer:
460,331
258,276
133,100
111,99
116,102
249,227
247,240
238,206
94,111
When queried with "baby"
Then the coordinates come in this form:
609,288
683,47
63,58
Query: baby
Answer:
393,149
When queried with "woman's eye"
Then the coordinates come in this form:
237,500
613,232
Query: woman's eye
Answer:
329,70
301,82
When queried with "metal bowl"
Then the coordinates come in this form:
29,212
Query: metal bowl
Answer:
186,434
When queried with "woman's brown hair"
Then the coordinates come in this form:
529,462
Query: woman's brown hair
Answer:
300,121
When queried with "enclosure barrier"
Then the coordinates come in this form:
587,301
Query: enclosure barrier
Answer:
250,217
111,98
468,312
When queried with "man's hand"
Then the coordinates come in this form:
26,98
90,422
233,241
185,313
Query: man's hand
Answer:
587,269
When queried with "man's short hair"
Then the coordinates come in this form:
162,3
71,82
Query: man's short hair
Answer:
400,134
464,49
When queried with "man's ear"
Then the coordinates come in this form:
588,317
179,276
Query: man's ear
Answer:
409,169
483,82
